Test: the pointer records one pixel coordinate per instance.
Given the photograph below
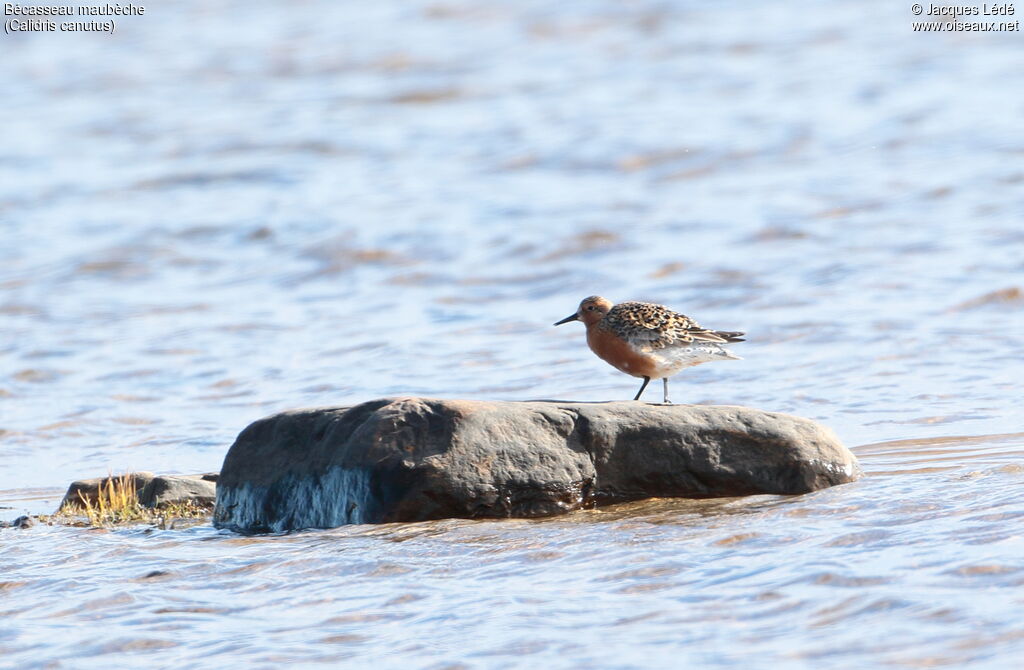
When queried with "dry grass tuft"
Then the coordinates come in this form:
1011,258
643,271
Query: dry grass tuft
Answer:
117,504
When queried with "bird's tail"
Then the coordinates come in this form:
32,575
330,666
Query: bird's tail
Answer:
730,335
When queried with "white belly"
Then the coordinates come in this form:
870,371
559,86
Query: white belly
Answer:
671,360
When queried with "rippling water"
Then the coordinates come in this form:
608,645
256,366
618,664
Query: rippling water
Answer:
226,211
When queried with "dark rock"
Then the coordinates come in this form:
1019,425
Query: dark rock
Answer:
413,459
177,489
89,488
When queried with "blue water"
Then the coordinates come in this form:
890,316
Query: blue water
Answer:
224,211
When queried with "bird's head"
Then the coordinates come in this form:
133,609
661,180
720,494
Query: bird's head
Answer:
590,311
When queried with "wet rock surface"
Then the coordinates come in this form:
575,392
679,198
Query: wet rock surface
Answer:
23,522
178,489
414,459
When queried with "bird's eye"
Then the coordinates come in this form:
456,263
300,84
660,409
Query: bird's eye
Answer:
591,308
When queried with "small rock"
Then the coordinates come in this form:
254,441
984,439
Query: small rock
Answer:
89,488
23,522
177,489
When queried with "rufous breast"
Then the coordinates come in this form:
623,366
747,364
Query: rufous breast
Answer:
620,354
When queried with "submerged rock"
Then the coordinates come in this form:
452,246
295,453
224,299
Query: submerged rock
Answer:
413,459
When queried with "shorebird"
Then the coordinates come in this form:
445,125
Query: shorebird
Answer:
647,340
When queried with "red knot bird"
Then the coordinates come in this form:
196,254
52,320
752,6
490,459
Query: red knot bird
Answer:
647,340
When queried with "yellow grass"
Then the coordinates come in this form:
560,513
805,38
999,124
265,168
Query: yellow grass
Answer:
117,503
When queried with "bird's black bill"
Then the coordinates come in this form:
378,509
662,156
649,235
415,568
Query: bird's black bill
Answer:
571,317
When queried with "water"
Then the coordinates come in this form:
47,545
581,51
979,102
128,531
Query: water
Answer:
226,211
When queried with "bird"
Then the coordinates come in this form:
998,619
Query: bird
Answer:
648,340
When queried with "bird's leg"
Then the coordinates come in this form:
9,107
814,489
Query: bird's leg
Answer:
642,387
666,401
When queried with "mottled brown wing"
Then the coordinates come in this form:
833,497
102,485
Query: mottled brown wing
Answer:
648,325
